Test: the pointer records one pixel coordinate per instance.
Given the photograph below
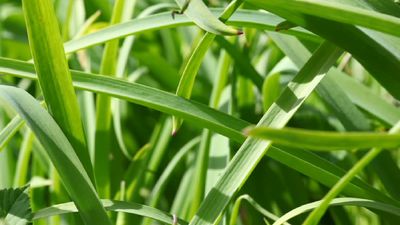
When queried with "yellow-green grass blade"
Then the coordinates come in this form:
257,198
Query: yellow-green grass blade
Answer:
245,18
111,205
103,111
60,152
303,161
9,130
252,150
54,76
191,67
367,203
325,140
198,12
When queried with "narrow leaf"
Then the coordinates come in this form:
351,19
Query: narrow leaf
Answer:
324,140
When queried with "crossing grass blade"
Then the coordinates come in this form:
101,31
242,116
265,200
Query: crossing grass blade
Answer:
195,59
325,140
60,152
54,76
198,12
253,150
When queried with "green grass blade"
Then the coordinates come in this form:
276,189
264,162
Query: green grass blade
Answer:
325,140
317,214
103,111
54,76
340,201
110,205
10,130
246,18
60,152
253,150
21,174
201,15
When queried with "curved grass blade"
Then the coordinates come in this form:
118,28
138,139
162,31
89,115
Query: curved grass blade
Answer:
325,140
302,161
60,152
111,205
332,89
317,214
198,12
255,205
192,65
54,75
340,201
246,18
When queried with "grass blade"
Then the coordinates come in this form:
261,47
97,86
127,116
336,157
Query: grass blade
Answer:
325,140
54,76
60,152
317,214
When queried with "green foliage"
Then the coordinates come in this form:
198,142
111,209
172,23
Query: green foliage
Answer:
15,207
94,93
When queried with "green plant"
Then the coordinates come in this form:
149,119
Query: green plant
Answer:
127,114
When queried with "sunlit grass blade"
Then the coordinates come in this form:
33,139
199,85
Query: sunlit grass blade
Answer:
277,116
111,205
103,111
198,12
340,202
325,140
317,214
60,152
245,18
54,76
